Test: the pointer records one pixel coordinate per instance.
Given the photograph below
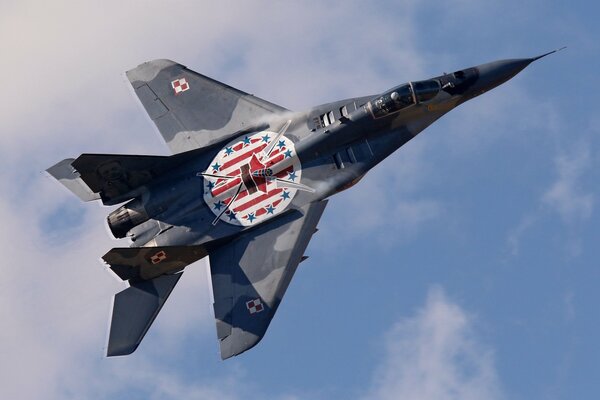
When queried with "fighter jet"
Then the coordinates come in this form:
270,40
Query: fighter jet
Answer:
246,186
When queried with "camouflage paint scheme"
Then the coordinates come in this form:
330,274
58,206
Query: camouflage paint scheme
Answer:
282,165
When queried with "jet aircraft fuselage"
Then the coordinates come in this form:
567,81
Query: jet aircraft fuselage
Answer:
246,186
335,145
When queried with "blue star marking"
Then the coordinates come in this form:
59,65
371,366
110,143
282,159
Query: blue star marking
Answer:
251,217
270,209
218,205
285,195
246,140
216,166
281,143
292,176
266,138
228,150
231,215
288,154
210,185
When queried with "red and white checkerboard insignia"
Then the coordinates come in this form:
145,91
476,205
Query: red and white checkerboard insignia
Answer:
158,257
254,306
180,85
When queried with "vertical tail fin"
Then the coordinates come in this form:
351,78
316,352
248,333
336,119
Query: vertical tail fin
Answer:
152,272
134,310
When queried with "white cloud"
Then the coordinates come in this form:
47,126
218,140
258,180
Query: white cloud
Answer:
68,95
55,299
436,355
567,196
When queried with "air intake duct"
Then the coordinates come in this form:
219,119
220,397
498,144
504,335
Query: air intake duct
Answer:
124,218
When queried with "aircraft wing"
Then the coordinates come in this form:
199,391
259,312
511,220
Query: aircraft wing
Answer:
191,110
251,274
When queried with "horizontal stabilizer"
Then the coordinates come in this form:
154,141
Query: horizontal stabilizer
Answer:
134,310
71,179
149,262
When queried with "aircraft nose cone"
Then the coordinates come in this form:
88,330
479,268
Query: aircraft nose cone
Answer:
496,73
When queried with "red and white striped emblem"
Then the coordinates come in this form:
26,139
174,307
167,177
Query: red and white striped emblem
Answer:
254,306
158,257
260,178
180,85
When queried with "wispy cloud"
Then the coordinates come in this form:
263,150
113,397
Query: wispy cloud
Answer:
388,205
436,354
566,196
55,300
516,234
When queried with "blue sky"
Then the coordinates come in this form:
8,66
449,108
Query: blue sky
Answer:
472,275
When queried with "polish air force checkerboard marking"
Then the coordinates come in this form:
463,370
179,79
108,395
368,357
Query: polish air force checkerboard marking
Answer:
158,257
180,85
255,306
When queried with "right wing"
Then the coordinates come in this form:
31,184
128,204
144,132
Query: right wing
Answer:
251,273
191,110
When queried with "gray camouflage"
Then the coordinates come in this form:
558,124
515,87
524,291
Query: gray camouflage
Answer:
208,126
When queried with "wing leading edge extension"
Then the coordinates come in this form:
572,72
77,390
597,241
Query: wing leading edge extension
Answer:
191,110
251,274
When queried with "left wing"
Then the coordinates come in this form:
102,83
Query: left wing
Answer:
194,111
251,274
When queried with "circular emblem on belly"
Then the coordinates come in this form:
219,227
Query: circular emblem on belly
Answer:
252,178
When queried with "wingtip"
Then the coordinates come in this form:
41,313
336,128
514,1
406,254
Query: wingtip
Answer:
119,351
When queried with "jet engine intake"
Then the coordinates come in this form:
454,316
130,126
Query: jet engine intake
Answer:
126,217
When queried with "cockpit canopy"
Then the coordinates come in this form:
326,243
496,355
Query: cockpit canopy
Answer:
426,90
392,101
403,96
